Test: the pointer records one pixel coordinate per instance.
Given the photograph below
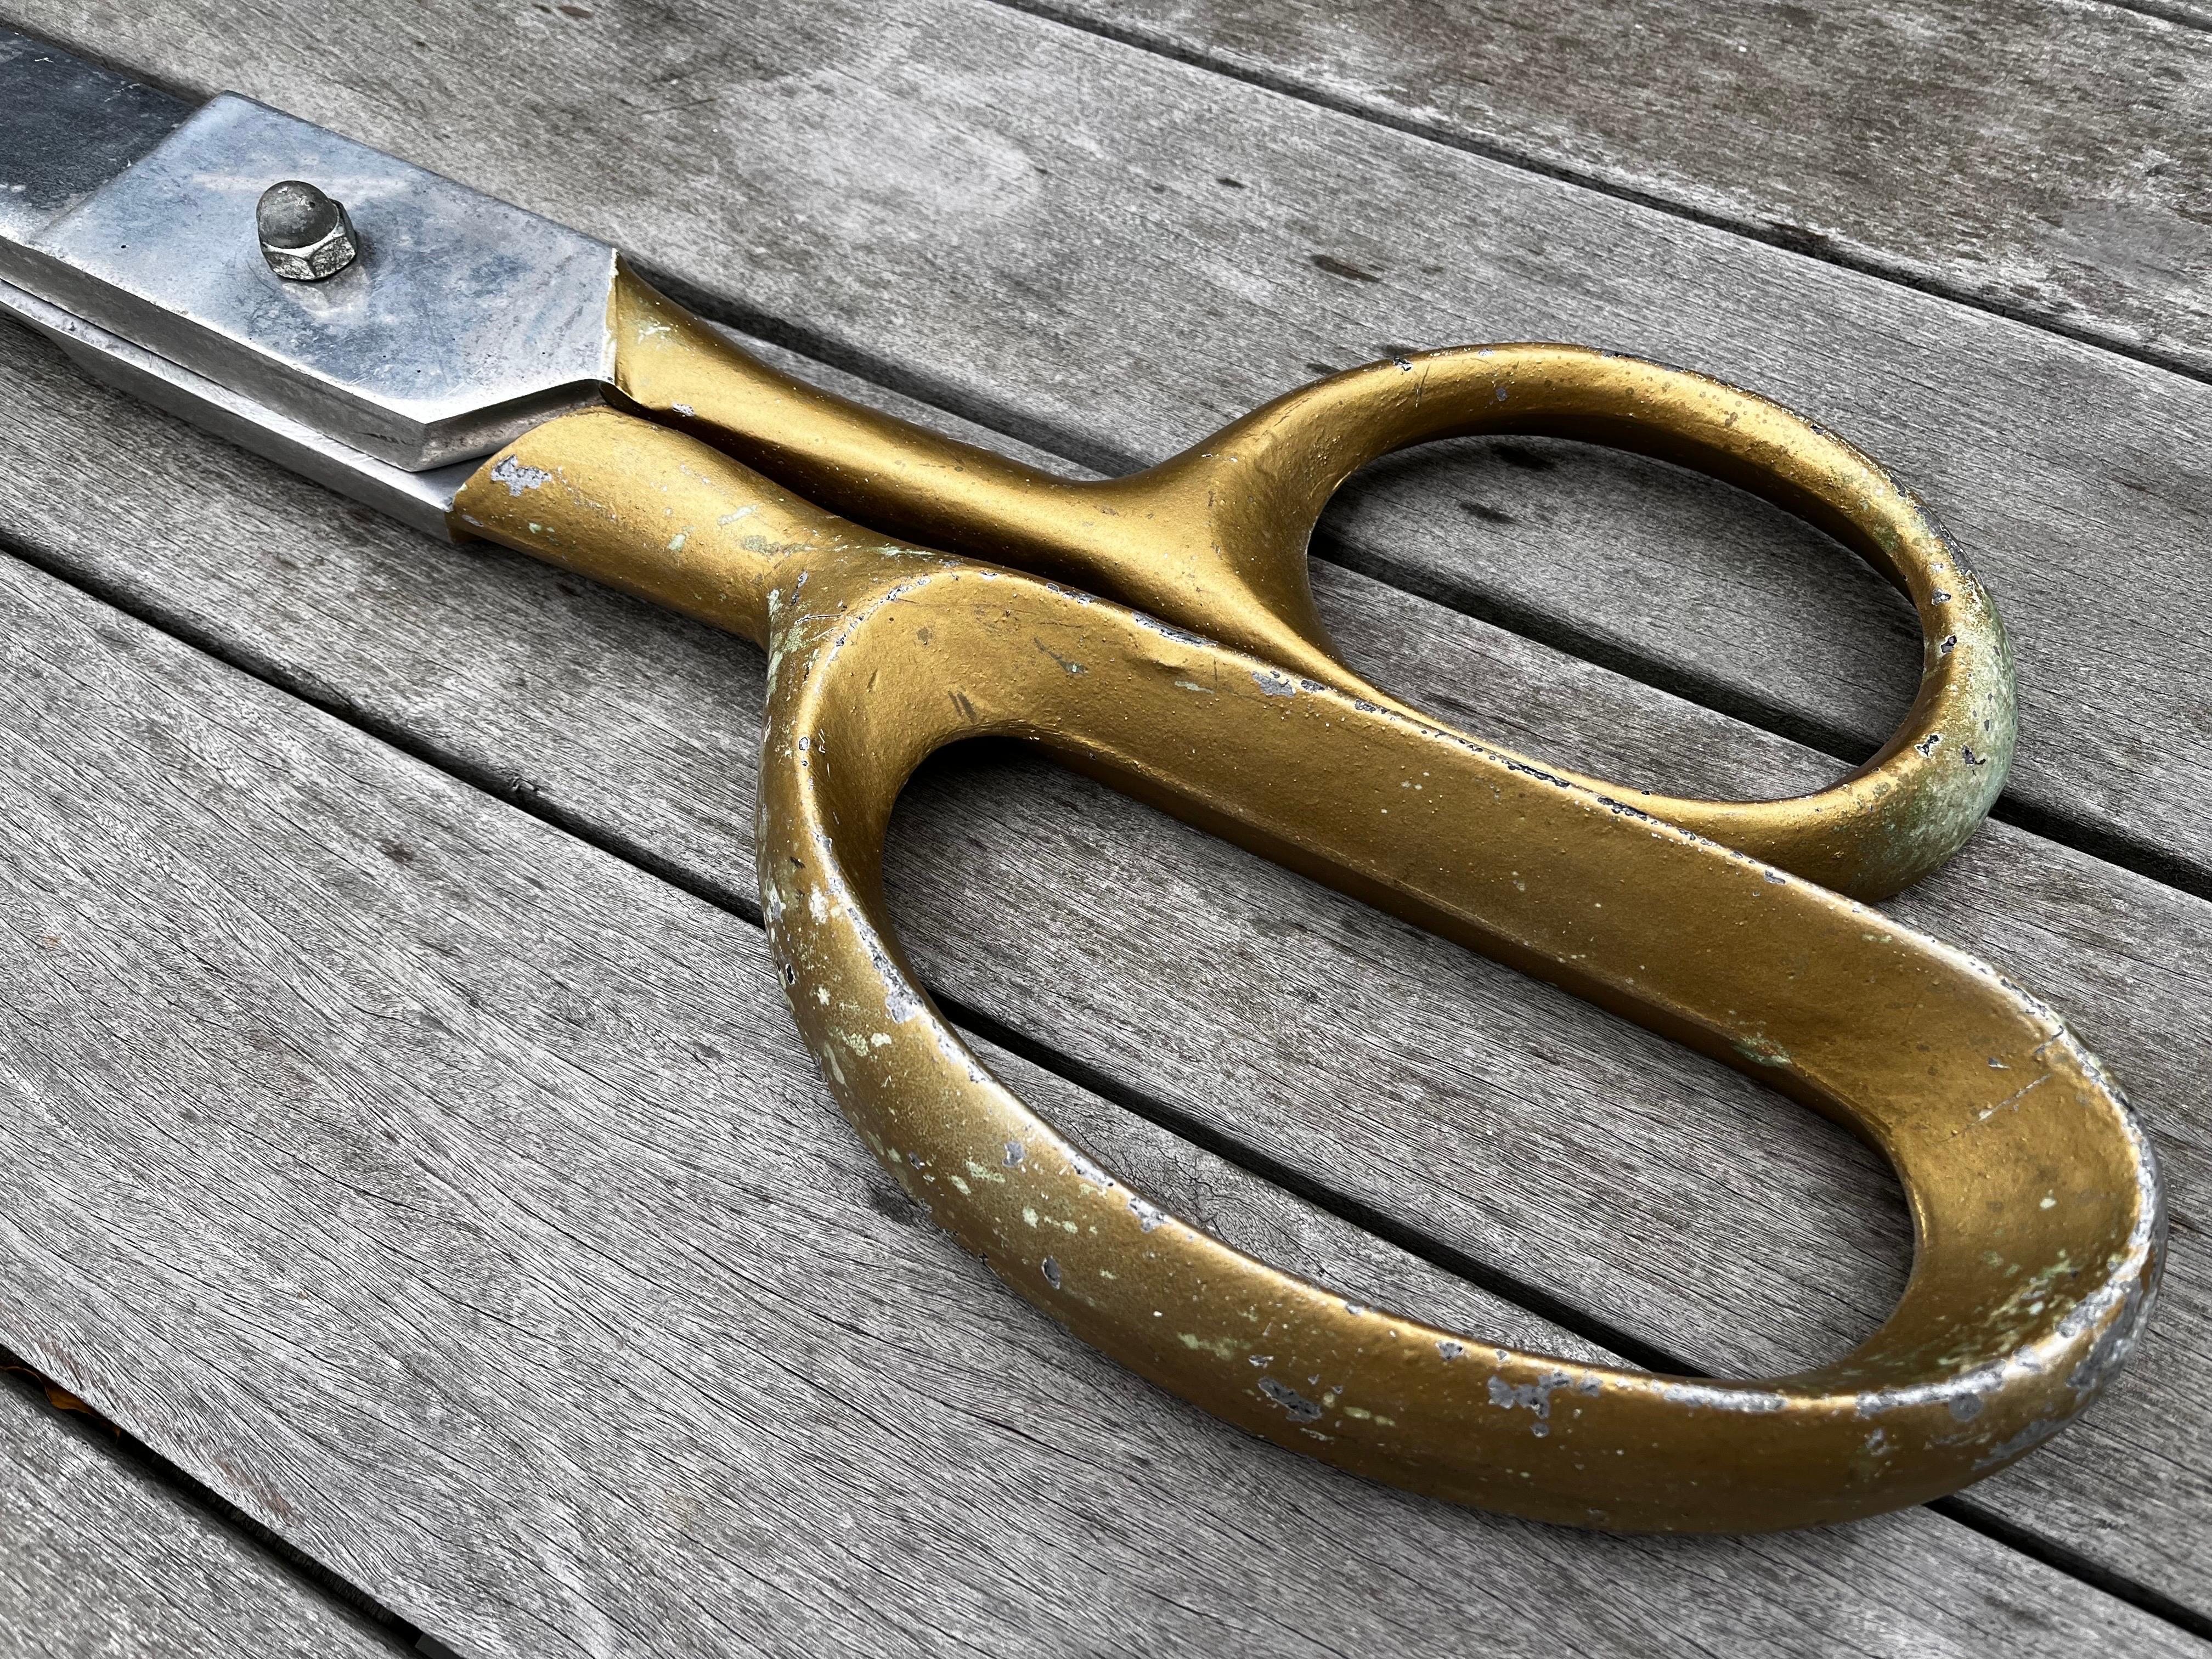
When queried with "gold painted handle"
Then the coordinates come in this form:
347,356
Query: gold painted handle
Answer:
2039,1223
1214,540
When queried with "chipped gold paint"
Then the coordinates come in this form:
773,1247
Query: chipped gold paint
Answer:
2035,1202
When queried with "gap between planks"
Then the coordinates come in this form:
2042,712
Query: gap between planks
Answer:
112,1541
1863,259
2188,17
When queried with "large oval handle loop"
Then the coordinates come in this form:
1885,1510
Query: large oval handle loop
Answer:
1243,506
2039,1223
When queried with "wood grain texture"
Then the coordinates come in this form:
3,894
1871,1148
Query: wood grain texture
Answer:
594,714
1514,1127
451,1197
99,1562
2049,161
1029,223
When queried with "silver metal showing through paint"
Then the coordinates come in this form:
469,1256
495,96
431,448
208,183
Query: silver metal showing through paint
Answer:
305,236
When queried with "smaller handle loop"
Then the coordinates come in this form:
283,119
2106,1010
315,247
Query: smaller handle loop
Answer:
1214,540
1243,505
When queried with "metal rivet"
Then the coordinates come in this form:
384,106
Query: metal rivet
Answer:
305,236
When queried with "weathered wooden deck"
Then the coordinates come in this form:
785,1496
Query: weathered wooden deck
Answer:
405,1150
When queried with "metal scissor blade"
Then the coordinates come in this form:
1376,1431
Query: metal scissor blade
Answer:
66,128
462,322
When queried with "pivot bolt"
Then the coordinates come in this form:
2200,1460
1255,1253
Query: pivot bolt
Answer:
305,236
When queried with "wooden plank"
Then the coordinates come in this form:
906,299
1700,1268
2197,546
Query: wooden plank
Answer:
2047,161
98,1559
1533,1136
452,1198
906,186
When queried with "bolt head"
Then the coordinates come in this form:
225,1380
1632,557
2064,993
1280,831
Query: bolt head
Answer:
305,236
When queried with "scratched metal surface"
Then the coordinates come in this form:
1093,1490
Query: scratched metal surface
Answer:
934,1467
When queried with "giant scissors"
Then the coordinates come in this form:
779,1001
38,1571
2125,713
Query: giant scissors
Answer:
479,372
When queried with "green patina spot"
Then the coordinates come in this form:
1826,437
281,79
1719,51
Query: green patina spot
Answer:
1761,1051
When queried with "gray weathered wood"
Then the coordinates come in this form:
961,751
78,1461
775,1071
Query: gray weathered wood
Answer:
99,1562
1515,1126
1028,222
449,1196
2049,161
340,680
